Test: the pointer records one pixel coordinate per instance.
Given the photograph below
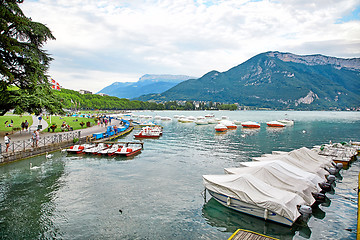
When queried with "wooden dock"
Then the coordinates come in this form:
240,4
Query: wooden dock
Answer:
242,234
110,138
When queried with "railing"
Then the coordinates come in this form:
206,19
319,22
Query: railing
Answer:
16,146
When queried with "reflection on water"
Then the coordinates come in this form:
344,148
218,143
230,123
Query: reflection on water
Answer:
26,198
229,220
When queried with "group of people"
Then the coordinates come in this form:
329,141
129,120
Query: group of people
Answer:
24,125
103,121
34,137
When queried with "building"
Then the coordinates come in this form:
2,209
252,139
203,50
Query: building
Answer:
84,92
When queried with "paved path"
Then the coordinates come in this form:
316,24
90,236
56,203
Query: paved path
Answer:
24,135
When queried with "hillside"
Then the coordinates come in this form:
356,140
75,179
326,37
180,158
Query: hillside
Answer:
147,84
278,81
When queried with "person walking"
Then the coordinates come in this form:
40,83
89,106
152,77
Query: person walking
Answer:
37,136
7,141
22,126
26,125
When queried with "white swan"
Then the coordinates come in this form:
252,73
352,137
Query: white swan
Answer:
48,155
33,168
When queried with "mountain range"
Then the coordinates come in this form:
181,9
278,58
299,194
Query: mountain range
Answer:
276,80
148,83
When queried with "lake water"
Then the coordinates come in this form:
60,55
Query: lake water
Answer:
158,193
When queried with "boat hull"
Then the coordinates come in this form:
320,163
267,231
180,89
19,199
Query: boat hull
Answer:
128,154
250,209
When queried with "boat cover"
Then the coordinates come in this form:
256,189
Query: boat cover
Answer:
278,176
304,153
303,163
253,191
295,171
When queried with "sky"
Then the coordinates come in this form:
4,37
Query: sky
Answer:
99,42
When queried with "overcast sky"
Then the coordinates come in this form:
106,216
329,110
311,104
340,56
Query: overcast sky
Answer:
99,42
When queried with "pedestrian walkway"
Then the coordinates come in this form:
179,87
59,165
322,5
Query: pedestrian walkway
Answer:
25,135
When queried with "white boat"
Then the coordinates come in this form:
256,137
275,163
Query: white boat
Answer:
185,120
237,122
275,124
201,122
166,118
149,132
212,121
247,194
229,124
96,149
278,176
306,164
111,150
220,128
128,151
79,148
250,124
287,122
209,115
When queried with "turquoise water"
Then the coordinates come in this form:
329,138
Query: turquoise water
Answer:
157,194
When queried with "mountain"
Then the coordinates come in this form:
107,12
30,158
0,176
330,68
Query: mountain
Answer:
277,80
146,84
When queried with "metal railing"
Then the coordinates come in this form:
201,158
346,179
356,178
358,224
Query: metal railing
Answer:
22,145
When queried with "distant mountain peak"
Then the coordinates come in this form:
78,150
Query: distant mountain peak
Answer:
318,59
148,83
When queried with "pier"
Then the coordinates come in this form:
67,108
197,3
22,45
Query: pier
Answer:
242,234
22,146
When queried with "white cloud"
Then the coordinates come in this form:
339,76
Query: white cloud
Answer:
126,39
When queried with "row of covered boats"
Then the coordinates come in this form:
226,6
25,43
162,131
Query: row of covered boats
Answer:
281,187
120,149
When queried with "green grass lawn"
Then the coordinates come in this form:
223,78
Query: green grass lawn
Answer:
17,121
71,121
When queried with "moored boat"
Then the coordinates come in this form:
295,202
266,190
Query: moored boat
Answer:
128,151
149,132
96,149
229,124
287,122
111,150
201,122
220,128
250,124
78,148
275,124
247,194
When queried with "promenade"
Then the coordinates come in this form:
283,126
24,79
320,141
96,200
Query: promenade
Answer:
22,146
26,135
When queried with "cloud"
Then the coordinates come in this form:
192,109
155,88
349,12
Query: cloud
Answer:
123,40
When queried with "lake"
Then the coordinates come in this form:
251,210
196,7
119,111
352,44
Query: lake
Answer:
157,194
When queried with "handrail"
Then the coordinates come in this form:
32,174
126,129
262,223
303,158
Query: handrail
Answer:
16,146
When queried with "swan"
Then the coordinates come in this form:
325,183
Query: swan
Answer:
49,155
33,168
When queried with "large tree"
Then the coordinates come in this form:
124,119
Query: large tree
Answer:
24,85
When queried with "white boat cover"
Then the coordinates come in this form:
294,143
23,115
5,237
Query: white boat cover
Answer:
304,153
293,170
306,164
251,190
278,176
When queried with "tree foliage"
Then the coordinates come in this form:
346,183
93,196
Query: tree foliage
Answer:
24,84
74,100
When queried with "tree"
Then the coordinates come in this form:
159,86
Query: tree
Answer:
24,85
